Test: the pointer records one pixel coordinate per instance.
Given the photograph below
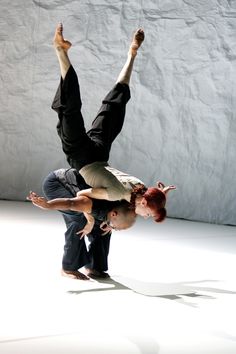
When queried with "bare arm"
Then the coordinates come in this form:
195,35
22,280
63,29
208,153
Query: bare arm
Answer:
96,193
88,227
165,189
80,203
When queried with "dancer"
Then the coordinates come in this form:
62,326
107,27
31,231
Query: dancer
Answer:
89,152
90,253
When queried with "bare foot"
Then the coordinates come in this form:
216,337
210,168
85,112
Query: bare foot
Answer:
74,274
59,41
138,38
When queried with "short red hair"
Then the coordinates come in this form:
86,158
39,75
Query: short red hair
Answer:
156,201
160,216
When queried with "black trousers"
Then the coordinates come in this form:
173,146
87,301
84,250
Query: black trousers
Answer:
76,254
81,147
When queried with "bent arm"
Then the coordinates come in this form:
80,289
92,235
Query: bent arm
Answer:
80,203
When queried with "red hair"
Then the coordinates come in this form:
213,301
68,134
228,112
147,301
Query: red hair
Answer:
160,216
156,200
137,191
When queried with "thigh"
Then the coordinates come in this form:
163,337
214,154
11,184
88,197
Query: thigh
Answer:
53,188
76,144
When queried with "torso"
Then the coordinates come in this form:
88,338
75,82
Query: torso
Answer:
119,184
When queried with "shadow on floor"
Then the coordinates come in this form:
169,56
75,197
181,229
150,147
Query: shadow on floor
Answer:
171,291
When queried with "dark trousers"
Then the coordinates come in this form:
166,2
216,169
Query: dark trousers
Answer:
76,254
81,147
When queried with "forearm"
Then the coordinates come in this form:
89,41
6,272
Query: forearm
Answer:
60,204
90,219
80,204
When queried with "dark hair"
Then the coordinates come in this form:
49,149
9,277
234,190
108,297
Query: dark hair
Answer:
137,191
160,216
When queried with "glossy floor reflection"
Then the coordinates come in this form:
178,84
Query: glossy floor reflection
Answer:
172,289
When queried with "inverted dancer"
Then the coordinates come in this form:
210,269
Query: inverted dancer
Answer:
88,152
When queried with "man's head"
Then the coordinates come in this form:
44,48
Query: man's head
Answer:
121,217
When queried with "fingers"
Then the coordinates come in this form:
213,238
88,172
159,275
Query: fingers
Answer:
172,187
164,188
81,233
106,232
168,188
32,196
106,229
160,185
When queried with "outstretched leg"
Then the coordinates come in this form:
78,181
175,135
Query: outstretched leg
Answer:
76,145
61,47
110,118
125,74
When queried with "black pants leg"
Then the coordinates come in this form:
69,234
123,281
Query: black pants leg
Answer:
99,249
75,253
110,119
82,148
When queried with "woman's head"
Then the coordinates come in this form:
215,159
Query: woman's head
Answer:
152,202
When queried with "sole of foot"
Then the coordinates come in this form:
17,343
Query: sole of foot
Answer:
74,274
59,41
138,39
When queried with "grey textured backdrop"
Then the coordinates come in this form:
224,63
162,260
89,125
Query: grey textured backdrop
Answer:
180,125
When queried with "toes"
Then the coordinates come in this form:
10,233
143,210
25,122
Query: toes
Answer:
140,34
59,28
140,30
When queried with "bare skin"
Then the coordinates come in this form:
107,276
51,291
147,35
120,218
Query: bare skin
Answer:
117,219
137,40
81,204
62,46
74,274
59,41
125,74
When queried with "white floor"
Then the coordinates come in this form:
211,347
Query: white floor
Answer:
172,289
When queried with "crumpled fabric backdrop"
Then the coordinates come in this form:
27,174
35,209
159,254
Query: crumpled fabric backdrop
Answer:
180,125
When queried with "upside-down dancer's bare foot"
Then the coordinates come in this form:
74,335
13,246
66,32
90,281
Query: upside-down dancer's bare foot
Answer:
59,41
138,38
74,274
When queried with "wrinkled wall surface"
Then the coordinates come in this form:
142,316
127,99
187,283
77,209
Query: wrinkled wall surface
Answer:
180,125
